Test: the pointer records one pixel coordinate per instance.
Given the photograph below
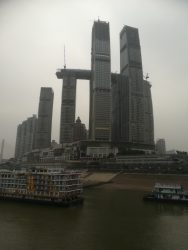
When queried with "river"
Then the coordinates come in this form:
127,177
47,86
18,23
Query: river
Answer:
109,219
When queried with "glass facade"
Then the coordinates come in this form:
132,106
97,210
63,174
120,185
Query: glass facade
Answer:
100,93
44,122
131,66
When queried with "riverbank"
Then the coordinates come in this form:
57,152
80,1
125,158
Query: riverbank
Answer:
144,182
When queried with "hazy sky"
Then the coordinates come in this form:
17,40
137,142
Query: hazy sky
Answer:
32,38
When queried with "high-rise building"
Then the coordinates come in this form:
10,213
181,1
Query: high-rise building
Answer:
120,104
44,122
68,101
25,138
79,131
131,66
160,146
148,115
18,142
2,150
120,108
100,84
68,109
100,89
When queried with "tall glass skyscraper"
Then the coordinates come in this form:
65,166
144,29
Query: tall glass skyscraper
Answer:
131,66
44,122
120,108
68,109
100,83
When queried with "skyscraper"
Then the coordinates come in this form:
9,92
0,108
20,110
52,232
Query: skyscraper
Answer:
25,138
131,66
44,123
100,84
68,101
148,115
18,142
120,104
2,150
120,108
68,109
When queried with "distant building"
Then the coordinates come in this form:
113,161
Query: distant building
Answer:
25,137
54,144
160,146
171,152
89,148
44,123
148,115
2,150
79,131
101,152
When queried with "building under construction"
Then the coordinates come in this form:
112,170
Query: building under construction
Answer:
121,110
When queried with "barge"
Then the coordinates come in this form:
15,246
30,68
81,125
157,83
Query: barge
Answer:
43,185
167,193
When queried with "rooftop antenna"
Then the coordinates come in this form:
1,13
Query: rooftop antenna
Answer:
64,58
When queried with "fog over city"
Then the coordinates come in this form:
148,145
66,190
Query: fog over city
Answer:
32,39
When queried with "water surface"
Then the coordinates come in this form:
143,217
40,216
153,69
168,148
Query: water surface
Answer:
109,219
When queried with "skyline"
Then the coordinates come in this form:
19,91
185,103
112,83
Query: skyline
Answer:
30,58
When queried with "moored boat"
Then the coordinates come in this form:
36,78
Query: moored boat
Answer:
167,193
53,186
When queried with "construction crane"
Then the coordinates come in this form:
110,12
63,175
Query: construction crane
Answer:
146,76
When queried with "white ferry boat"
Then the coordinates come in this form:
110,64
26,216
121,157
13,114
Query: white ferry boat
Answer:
167,193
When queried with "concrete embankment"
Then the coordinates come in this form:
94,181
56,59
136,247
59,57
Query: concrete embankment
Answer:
143,182
96,179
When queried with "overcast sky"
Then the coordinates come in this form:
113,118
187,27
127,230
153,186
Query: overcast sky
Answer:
32,38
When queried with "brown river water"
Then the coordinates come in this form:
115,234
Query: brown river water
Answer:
109,219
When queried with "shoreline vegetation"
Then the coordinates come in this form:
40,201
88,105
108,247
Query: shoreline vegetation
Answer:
127,181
